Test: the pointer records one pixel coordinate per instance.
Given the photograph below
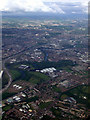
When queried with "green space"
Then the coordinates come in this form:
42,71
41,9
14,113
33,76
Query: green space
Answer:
57,65
68,69
64,96
7,108
41,65
20,74
5,79
38,77
32,99
80,93
33,77
46,117
56,89
43,105
45,64
86,73
58,27
15,74
6,95
0,117
56,112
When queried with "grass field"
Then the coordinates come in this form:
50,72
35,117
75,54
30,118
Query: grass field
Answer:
15,74
6,108
56,89
80,93
6,95
5,79
64,96
38,77
44,105
42,65
30,76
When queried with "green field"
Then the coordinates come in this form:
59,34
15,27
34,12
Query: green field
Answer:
5,79
6,108
32,99
15,74
64,96
32,76
45,64
80,93
56,89
38,77
6,95
44,105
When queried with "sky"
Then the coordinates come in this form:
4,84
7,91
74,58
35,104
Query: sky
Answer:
52,6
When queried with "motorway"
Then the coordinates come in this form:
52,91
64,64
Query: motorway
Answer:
9,83
10,78
1,74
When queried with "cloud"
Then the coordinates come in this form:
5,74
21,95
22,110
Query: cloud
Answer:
42,5
28,5
56,8
67,1
84,6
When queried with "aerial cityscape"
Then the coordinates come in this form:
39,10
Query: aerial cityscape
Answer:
45,67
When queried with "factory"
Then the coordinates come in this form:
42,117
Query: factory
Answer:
48,70
17,86
24,67
16,98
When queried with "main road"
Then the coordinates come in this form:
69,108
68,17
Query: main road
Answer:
10,78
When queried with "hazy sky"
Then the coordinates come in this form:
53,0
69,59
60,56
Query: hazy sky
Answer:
43,5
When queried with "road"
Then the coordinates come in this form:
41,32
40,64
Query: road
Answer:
10,78
1,74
